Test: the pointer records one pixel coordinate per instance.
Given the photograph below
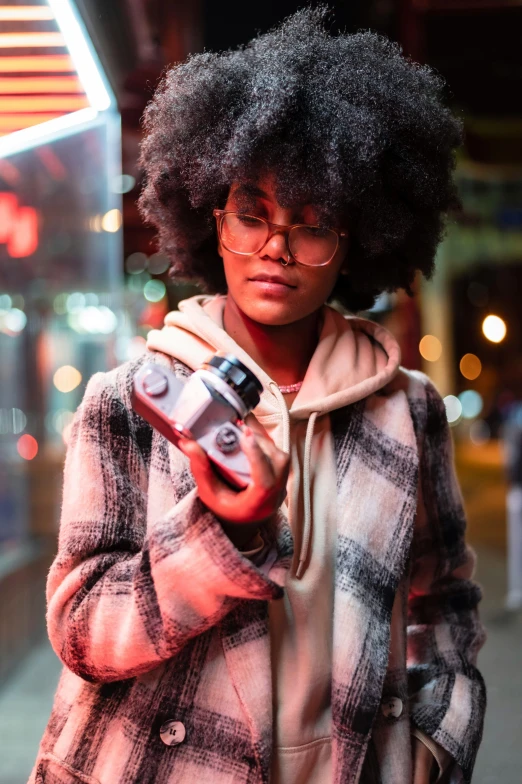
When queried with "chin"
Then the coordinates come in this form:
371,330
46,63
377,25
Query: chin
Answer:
268,312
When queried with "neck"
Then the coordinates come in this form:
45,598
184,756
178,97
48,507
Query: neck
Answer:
274,347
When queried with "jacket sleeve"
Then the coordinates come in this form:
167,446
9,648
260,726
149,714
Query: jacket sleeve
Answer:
124,594
447,692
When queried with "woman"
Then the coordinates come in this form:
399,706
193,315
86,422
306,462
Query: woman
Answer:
319,626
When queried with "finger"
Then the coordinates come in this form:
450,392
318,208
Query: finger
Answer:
261,468
279,459
204,474
256,426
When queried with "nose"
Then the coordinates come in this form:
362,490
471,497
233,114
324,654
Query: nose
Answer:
276,247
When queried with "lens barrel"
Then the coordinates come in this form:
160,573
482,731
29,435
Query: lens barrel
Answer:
239,378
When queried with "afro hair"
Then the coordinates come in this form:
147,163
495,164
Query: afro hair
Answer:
344,122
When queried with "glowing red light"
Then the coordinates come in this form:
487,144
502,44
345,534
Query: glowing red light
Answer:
8,210
27,447
24,235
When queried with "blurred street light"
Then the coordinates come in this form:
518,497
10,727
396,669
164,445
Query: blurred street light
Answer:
494,328
470,366
430,348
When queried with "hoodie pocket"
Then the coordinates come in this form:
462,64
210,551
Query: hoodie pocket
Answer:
52,770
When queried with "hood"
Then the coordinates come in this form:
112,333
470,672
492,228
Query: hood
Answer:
354,358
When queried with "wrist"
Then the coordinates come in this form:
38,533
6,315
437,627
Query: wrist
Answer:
240,535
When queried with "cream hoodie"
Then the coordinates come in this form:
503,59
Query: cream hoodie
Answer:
354,357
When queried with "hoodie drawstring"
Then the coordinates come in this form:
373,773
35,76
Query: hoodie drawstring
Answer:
285,416
307,491
307,528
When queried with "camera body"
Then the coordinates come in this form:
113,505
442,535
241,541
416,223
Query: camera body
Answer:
209,408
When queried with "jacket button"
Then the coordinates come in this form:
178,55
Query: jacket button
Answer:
172,732
392,707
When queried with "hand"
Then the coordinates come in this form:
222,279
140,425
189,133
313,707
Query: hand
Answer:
269,468
425,767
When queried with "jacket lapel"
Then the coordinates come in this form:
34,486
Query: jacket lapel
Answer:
377,471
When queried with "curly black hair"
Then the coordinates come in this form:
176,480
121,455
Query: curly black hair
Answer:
344,122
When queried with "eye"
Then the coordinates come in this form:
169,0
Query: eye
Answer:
316,231
247,220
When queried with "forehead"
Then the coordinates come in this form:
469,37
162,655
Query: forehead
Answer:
251,191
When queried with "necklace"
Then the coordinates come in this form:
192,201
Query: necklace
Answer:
285,390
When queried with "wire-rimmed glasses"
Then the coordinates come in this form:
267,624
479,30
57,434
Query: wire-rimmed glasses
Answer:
313,246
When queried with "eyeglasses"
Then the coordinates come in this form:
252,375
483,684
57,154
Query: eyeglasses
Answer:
245,235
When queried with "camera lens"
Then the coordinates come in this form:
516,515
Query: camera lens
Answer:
238,377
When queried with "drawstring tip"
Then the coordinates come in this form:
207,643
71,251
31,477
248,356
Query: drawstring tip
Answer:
299,570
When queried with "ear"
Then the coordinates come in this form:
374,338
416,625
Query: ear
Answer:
219,250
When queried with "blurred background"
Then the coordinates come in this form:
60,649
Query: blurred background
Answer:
81,284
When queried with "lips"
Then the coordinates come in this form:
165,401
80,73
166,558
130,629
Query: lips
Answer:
273,279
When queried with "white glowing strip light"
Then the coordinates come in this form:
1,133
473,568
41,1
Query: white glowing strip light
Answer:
45,132
82,54
90,75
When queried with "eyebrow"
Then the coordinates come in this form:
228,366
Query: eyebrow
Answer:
249,189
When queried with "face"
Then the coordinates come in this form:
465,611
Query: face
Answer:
305,288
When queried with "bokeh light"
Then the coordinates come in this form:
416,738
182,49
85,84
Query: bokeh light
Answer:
67,378
158,263
154,290
27,447
453,408
61,419
75,302
123,183
13,321
136,282
479,432
494,328
60,304
66,433
136,263
430,348
112,221
12,420
470,366
471,402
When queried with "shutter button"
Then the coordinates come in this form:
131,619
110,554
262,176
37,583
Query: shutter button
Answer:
172,733
392,707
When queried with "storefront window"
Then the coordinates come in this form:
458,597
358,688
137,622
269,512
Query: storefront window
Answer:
61,312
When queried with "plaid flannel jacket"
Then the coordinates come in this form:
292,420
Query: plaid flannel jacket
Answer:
158,617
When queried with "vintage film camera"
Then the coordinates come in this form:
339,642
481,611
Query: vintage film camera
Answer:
209,407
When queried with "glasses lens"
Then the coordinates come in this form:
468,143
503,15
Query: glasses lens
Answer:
312,244
243,233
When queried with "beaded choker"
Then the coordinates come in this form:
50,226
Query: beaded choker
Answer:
290,388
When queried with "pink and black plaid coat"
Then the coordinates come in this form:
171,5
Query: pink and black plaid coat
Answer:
159,618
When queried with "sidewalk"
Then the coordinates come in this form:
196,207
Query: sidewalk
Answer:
25,705
26,702
500,661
